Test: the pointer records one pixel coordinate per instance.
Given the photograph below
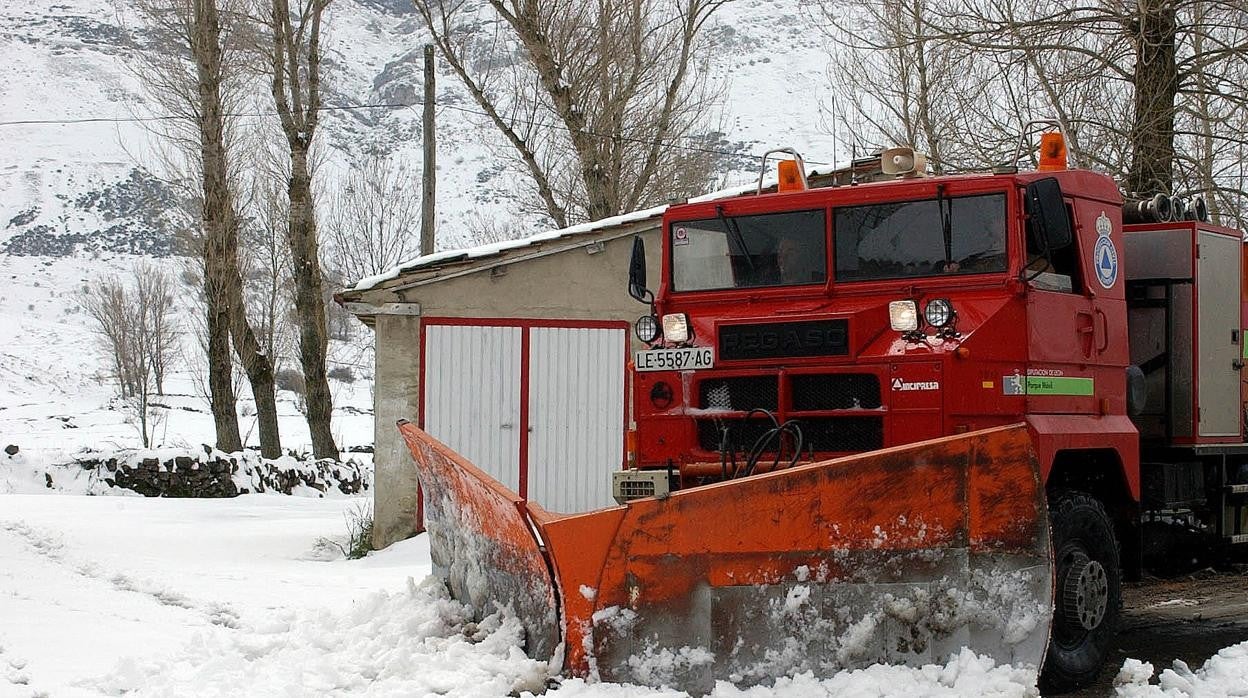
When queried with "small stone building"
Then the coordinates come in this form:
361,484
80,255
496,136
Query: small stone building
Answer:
512,354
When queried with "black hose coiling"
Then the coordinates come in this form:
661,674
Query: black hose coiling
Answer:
775,434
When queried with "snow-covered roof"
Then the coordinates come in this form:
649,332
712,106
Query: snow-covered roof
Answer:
447,256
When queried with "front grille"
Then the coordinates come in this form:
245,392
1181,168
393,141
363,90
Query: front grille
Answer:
843,434
740,394
823,434
742,434
835,391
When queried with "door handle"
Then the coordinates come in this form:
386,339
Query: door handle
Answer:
1104,343
1086,328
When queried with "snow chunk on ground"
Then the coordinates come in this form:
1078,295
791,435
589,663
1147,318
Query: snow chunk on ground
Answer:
1224,674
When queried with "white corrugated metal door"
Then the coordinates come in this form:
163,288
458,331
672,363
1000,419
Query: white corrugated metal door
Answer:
472,395
576,416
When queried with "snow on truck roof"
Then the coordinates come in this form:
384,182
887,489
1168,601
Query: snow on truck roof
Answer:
448,256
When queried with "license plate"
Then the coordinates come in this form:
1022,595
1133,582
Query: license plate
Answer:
689,359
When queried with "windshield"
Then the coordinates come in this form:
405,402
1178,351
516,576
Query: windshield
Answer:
774,249
964,235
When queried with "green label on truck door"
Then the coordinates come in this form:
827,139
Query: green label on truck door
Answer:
1054,385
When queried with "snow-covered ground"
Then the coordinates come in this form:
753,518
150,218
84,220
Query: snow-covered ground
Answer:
165,597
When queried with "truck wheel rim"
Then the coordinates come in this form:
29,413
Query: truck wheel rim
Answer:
1085,593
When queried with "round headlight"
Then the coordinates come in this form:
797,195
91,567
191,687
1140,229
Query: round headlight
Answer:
938,312
647,328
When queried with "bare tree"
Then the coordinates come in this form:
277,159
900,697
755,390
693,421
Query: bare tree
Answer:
138,333
266,266
294,61
620,80
374,219
194,72
1142,89
919,91
1124,78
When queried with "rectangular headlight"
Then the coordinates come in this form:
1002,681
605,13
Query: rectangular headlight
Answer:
903,316
676,328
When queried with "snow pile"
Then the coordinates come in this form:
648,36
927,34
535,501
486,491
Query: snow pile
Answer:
965,674
1224,674
415,642
179,472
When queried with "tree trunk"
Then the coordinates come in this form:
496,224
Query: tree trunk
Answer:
310,305
220,367
259,369
1156,87
206,47
265,392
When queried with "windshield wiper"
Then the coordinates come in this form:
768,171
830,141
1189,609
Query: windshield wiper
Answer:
733,229
945,205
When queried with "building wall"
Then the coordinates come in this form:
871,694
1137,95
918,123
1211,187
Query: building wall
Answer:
571,284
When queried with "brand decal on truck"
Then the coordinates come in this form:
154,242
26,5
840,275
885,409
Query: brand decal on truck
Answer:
900,385
1104,256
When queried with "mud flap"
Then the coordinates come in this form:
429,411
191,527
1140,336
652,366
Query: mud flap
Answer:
482,545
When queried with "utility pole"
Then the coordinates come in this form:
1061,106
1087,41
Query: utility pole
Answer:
430,174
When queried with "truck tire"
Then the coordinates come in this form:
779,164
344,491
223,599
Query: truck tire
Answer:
1087,594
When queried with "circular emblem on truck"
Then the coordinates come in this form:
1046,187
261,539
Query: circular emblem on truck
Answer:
1105,258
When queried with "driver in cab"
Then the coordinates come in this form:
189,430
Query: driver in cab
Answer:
796,265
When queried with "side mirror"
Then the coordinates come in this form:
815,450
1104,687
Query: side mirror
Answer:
637,273
1048,222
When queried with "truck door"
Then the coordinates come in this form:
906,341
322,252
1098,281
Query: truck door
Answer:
1075,315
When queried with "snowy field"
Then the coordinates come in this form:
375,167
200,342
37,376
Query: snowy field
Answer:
164,597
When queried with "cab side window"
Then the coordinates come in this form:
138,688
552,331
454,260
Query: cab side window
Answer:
1053,270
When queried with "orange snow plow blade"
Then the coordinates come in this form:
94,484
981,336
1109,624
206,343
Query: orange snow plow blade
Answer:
902,555
481,544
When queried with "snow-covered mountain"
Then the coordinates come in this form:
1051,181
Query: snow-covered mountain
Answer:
83,193
89,186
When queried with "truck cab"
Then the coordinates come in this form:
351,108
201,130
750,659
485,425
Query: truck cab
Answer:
881,314
811,323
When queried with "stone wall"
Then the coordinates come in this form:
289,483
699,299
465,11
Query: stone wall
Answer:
217,474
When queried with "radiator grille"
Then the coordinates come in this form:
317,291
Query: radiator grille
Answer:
835,391
848,434
741,393
824,434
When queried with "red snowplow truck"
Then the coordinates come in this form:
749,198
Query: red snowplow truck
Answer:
880,421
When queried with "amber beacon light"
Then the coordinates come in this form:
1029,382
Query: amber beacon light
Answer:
1052,152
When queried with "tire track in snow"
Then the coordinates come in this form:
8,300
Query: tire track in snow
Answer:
52,548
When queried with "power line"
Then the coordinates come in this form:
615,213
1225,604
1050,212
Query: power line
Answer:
384,105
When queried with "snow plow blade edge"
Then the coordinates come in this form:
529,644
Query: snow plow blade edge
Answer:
481,543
